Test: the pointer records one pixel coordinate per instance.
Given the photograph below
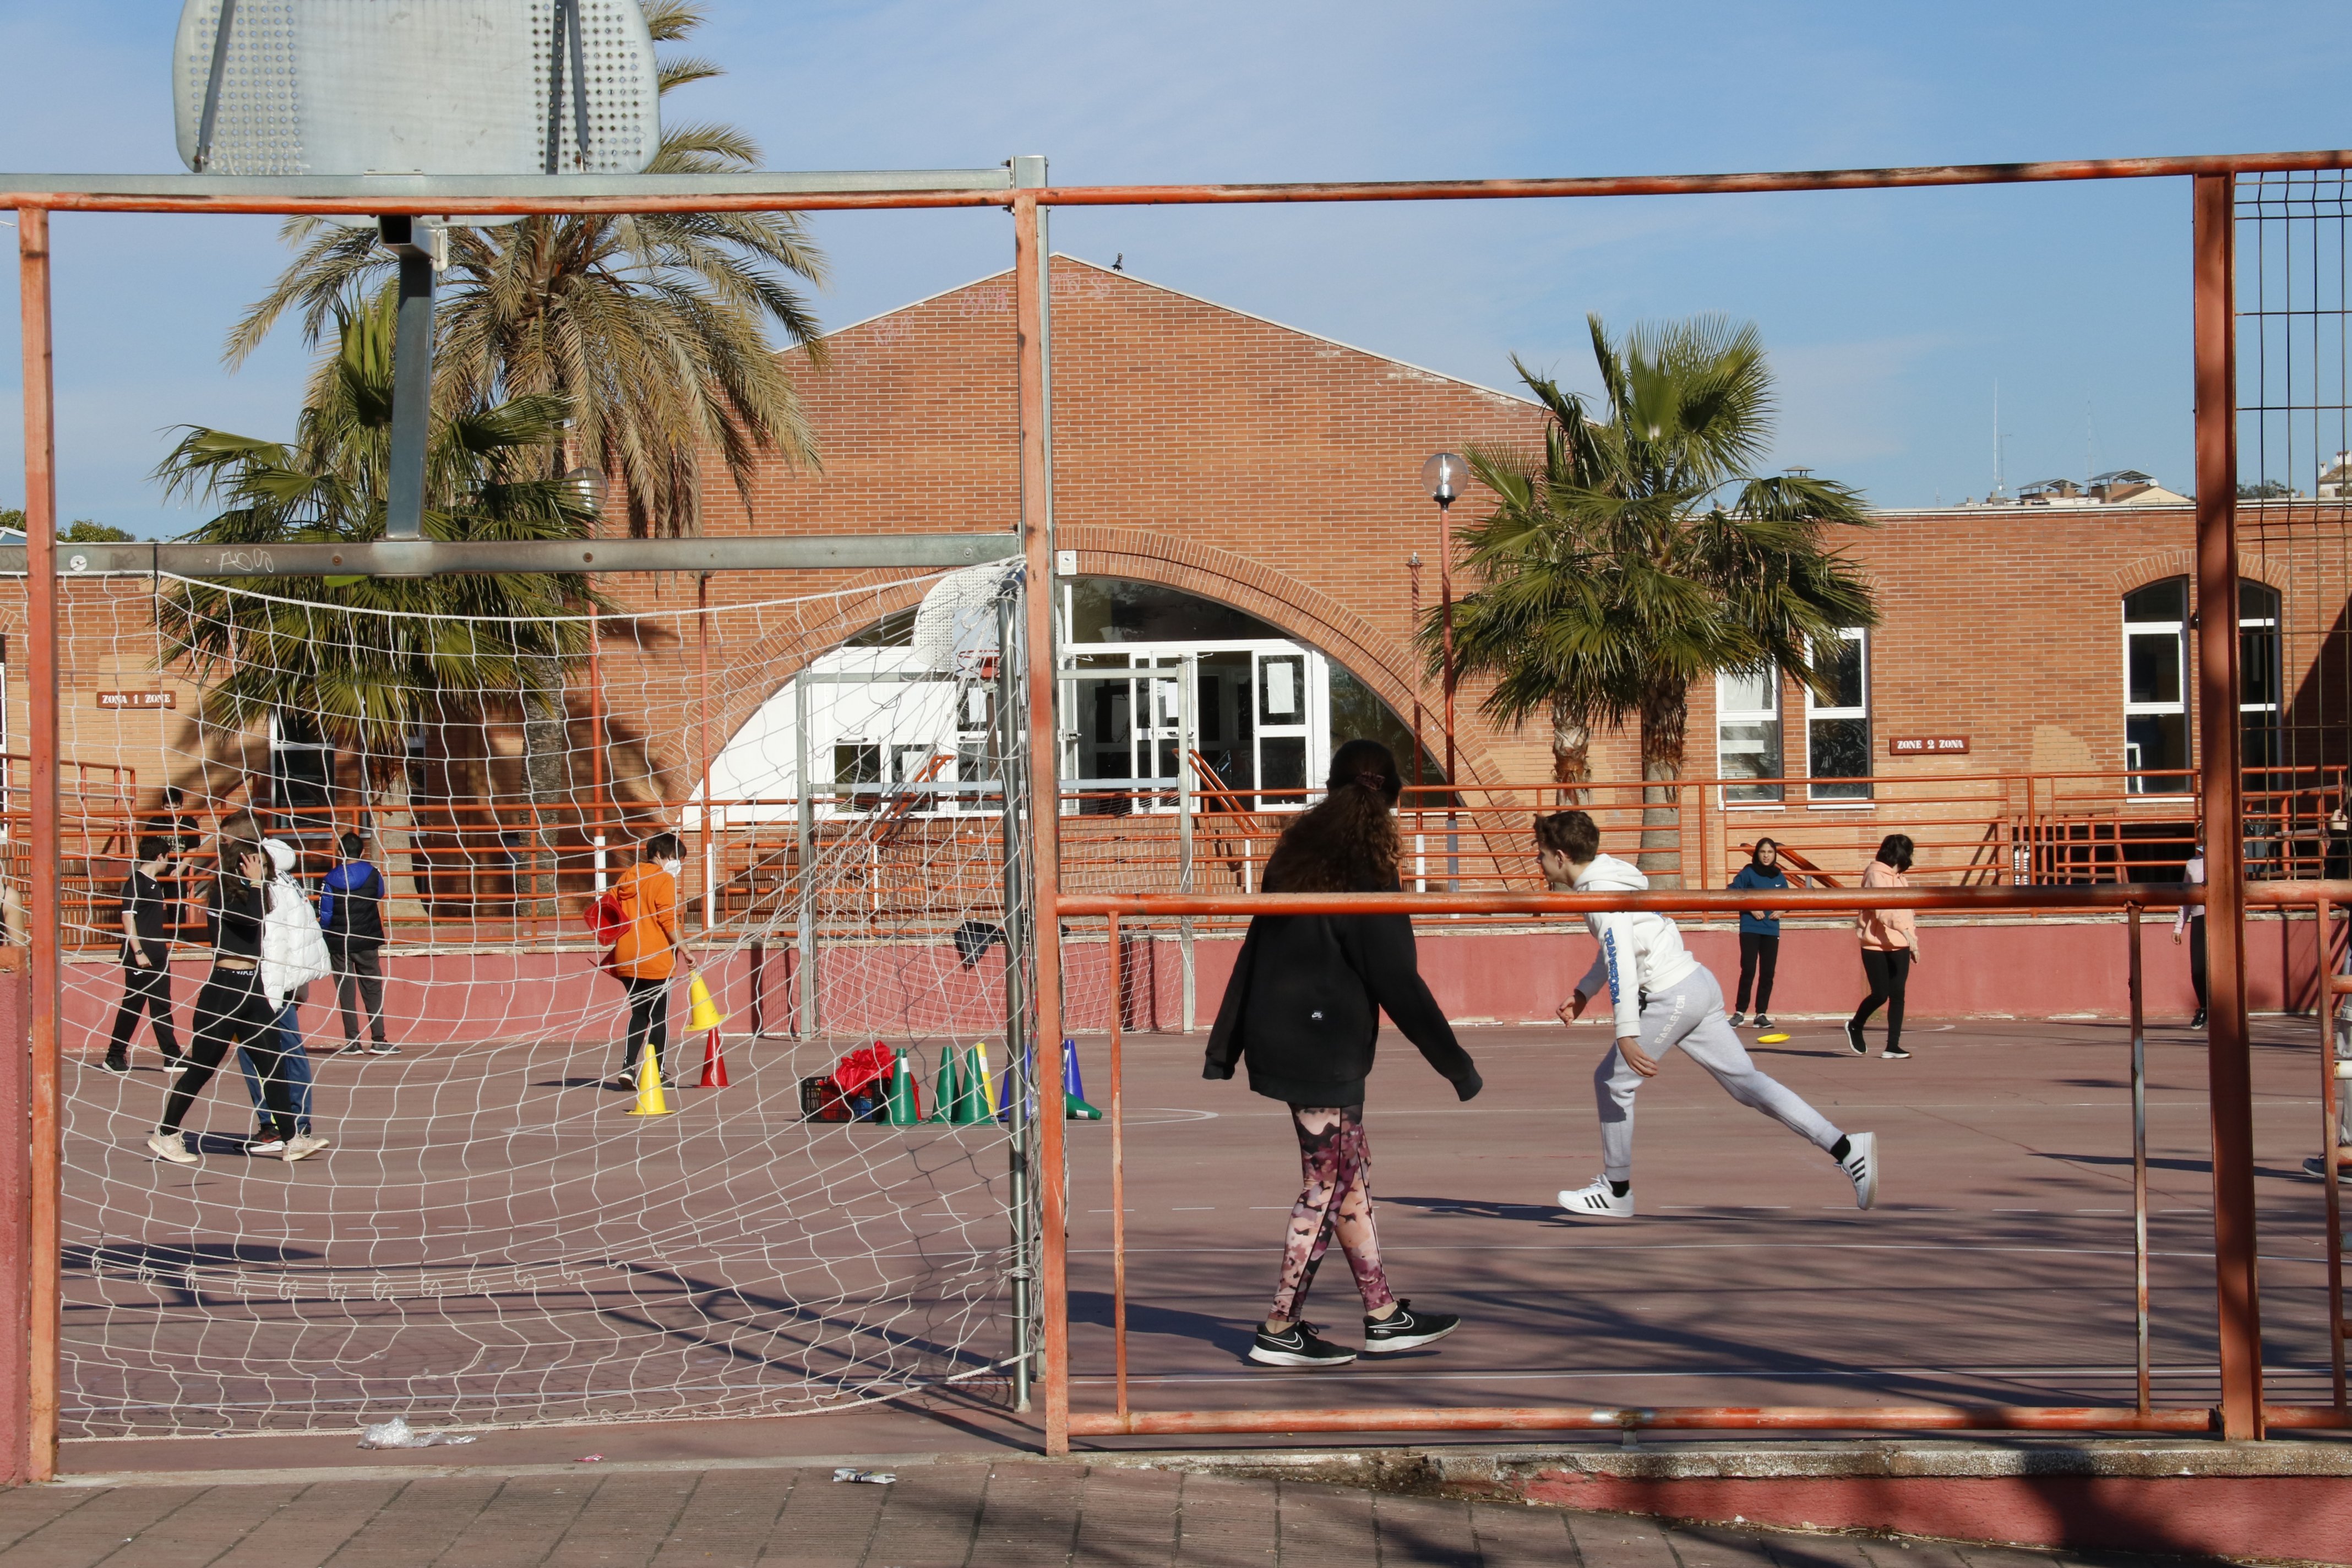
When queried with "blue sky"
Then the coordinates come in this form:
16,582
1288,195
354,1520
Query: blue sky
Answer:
1890,315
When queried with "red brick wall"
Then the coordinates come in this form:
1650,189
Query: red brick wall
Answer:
1279,472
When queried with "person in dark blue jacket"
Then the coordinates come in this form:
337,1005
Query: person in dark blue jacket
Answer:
350,913
1759,934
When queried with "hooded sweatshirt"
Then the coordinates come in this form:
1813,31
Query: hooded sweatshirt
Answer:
1639,951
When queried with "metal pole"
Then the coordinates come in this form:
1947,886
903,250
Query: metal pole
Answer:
2228,1055
48,913
2331,1092
702,723
805,870
596,738
1413,625
412,383
1187,802
2139,1162
1452,784
1118,1168
1045,800
1003,735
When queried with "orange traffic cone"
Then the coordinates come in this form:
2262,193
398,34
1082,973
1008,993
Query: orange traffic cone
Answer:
714,1063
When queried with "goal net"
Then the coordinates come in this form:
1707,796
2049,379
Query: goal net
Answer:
493,1234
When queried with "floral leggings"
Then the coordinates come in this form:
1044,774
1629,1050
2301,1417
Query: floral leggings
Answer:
1337,1200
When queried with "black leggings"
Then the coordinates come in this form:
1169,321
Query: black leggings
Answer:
1759,956
1886,969
233,1010
147,991
648,1019
2197,958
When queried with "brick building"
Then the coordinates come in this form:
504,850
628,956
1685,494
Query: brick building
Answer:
1213,456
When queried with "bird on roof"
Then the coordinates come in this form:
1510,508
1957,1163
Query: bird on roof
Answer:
1119,262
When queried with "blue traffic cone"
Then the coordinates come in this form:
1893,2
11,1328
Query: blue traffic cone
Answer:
1074,1088
1024,1083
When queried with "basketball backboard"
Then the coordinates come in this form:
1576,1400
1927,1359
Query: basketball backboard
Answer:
431,86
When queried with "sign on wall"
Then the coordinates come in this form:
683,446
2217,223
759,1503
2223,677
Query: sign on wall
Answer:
138,699
1928,746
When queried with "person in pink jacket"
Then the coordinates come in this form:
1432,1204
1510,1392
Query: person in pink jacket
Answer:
1890,946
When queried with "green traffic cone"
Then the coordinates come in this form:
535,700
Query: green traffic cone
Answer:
1077,1109
949,1087
902,1111
971,1101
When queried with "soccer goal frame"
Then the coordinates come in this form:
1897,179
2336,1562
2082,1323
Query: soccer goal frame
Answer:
30,1151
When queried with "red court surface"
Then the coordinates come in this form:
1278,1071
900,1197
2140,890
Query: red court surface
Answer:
1997,1267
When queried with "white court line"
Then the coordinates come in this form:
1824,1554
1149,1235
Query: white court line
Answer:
1728,1247
1194,1208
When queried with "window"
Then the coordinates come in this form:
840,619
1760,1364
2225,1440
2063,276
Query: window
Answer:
1837,719
2156,683
856,771
1748,735
2155,688
2258,675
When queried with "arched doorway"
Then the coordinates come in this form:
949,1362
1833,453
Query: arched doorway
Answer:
1153,679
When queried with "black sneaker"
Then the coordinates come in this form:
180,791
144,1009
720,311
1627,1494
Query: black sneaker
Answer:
2198,1021
1763,1022
1895,1053
1854,1040
1299,1345
113,1064
1406,1329
383,1048
1737,1019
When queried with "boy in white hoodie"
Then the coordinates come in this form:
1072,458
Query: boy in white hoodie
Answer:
1662,998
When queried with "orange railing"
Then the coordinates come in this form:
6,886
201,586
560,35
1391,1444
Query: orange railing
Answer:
900,860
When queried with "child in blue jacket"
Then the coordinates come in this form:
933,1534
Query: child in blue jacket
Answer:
1759,934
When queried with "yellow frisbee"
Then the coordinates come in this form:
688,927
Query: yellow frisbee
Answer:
1771,1040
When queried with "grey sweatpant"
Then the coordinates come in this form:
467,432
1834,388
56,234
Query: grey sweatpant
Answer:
1691,1015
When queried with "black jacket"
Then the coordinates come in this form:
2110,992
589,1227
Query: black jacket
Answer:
1304,1004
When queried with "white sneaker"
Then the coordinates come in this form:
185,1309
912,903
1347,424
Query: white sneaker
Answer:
1860,1166
269,1144
170,1146
1596,1201
302,1145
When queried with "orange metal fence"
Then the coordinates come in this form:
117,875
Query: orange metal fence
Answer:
515,873
2144,1415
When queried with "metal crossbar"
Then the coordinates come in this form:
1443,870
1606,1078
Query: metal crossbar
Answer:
434,558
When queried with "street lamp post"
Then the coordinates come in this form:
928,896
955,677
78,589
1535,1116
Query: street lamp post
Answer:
1443,476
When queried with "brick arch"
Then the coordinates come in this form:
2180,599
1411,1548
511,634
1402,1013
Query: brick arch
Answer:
2166,563
1380,660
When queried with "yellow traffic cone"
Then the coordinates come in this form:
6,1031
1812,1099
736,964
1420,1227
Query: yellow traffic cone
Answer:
649,1088
705,1016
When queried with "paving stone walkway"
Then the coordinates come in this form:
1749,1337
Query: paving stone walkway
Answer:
967,1515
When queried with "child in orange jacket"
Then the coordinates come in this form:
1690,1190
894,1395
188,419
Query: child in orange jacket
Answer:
646,957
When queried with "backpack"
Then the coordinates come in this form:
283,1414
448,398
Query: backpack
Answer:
293,948
605,919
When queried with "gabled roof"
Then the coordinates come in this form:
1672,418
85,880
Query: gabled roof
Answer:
1198,300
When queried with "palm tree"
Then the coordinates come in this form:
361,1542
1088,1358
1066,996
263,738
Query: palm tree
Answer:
654,327
370,661
1642,553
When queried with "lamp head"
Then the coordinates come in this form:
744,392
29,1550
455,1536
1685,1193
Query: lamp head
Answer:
1443,475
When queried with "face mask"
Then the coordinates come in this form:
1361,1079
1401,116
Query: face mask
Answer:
673,867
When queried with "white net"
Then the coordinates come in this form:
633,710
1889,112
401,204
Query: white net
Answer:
491,1235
